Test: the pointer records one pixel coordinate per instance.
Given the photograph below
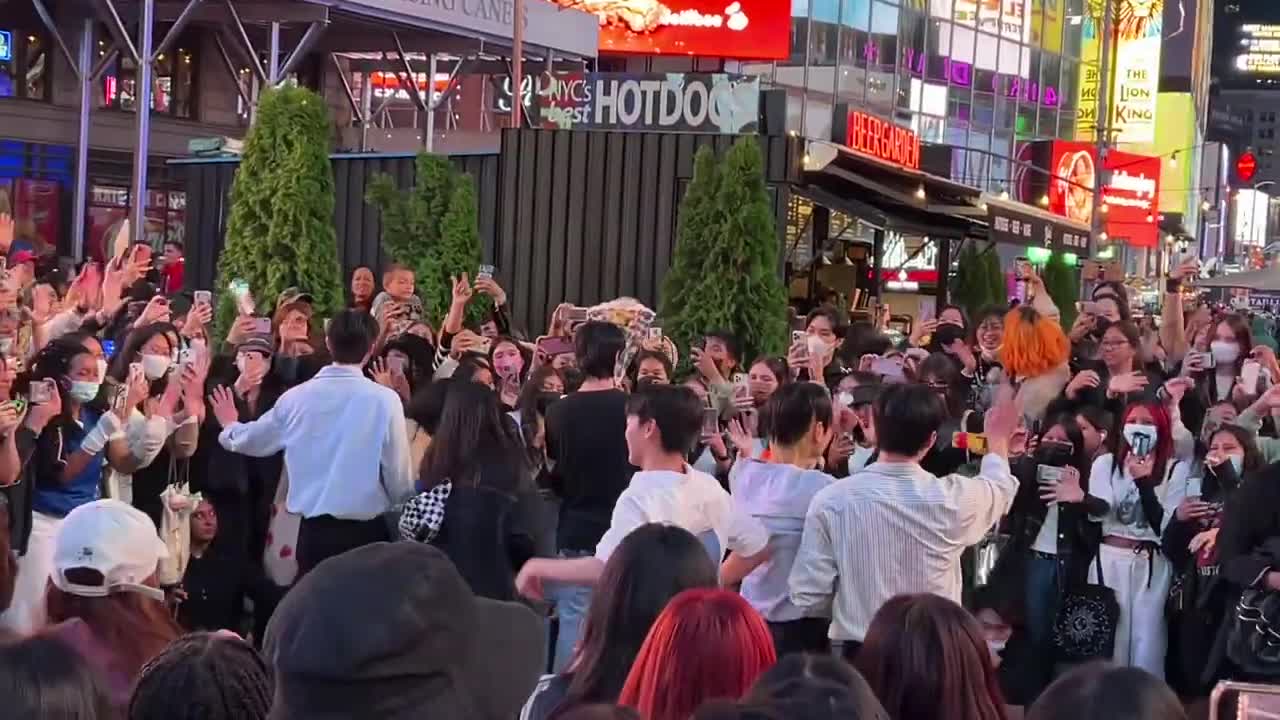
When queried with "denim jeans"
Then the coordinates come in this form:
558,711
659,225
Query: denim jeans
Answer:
1041,598
571,603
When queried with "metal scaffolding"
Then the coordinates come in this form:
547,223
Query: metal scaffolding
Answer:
367,41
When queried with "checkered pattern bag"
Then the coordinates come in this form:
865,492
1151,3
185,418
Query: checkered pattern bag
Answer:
423,514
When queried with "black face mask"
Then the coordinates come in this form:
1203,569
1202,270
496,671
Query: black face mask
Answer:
1100,326
1055,454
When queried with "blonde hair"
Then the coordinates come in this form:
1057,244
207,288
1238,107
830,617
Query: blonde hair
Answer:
1033,344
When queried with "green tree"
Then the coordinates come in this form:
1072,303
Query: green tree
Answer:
459,249
698,215
280,232
432,229
970,288
736,284
997,282
1063,283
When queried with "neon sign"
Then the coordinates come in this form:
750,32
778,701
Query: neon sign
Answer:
6,46
961,74
882,140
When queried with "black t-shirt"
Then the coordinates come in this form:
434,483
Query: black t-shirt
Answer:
215,586
586,436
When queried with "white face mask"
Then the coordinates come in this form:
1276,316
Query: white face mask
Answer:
1141,438
6,346
1237,462
1224,353
155,366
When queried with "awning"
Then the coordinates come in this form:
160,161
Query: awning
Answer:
1021,224
549,26
901,199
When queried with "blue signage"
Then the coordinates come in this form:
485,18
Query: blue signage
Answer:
6,46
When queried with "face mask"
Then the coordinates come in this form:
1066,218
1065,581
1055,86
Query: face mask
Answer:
1224,353
1054,453
6,346
84,391
102,369
996,647
155,366
1141,438
845,399
1237,462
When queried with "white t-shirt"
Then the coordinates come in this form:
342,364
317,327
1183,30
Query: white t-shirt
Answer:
1124,517
692,500
777,495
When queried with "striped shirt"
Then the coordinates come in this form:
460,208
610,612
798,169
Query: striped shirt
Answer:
892,529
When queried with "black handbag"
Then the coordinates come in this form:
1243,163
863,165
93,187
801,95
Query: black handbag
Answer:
1084,627
1253,642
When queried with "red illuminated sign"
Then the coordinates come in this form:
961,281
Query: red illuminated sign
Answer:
1246,167
1132,198
744,29
882,140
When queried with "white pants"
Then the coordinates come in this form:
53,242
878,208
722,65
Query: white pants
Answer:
1141,583
28,612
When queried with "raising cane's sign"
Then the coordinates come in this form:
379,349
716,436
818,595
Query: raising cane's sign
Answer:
882,140
1131,196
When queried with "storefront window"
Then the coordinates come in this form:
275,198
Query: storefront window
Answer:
172,83
24,69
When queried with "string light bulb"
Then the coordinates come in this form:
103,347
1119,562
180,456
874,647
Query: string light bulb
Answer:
1102,236
1104,208
1044,200
1173,159
920,193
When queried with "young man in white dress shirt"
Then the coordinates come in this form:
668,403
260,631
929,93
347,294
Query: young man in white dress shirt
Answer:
894,528
346,452
663,423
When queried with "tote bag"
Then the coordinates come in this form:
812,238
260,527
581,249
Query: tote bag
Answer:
177,504
1085,625
279,557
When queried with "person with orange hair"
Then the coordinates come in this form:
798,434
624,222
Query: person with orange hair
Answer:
1035,354
706,645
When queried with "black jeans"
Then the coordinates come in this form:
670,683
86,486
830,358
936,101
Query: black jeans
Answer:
806,635
325,536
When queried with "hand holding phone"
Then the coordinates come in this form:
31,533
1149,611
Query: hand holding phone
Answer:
1249,372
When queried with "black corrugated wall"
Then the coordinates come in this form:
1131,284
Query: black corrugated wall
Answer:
590,216
358,226
566,216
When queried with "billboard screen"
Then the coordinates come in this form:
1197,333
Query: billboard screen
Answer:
1260,49
1136,54
1131,196
745,29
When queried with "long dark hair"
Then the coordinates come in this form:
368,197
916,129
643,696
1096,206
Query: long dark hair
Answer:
1080,459
653,564
926,659
473,433
941,366
53,362
1101,691
421,356
132,350
44,676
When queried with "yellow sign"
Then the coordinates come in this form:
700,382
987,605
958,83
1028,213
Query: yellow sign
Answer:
1137,26
1046,24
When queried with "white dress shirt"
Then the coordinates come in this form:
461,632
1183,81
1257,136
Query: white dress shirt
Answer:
892,529
691,500
344,442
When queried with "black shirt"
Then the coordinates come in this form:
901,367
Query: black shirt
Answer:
586,436
215,586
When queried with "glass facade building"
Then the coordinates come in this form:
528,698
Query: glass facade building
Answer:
983,76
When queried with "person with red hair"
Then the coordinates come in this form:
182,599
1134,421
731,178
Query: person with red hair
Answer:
706,645
1142,481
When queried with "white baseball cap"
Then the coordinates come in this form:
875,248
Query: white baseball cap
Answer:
113,538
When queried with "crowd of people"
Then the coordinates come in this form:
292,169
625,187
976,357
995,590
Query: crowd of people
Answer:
380,514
